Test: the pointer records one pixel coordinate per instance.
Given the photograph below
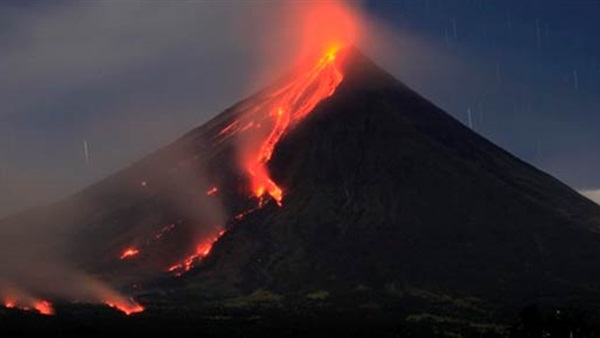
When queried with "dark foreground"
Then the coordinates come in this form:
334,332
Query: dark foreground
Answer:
92,321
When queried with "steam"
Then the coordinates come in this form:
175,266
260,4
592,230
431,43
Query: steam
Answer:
32,273
36,262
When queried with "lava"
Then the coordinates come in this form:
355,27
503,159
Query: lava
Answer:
44,307
128,307
202,250
22,301
289,104
261,182
129,253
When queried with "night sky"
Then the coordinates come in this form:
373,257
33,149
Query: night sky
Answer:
128,77
532,81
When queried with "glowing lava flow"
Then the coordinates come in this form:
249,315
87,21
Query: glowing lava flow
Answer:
129,253
27,303
261,127
127,307
44,307
296,100
287,106
202,250
261,182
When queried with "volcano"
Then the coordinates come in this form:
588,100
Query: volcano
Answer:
358,184
384,189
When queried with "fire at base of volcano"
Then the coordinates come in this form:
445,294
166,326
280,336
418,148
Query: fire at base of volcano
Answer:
127,307
42,307
19,300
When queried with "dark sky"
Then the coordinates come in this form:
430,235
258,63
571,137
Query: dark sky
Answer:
128,77
534,84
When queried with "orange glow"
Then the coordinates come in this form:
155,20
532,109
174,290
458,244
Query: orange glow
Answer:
321,29
16,299
44,307
128,307
288,105
129,253
329,23
261,182
202,250
212,191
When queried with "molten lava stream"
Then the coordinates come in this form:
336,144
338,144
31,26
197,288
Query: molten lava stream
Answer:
28,304
202,250
129,253
288,106
44,307
127,307
261,182
285,107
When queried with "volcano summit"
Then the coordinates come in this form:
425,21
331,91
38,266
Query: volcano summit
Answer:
337,187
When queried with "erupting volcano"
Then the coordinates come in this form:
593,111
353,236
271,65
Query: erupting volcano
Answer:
336,186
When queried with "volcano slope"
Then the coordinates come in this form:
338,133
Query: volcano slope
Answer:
385,191
387,200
